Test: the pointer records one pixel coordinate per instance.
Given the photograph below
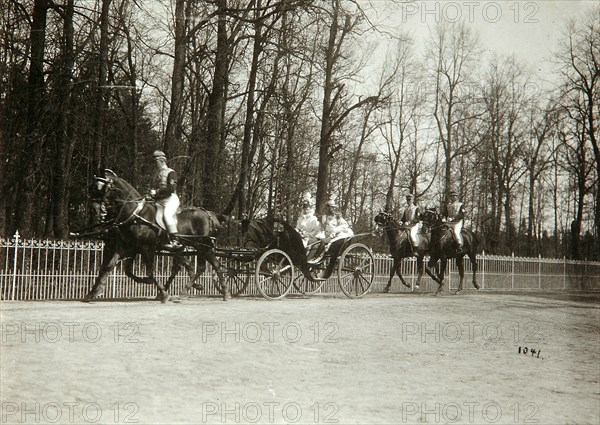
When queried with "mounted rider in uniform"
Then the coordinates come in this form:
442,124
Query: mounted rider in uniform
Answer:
412,220
167,201
453,215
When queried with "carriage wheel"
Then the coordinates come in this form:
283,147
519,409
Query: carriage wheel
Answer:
237,274
356,270
274,274
305,286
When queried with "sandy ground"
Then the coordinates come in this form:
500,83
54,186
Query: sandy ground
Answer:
397,358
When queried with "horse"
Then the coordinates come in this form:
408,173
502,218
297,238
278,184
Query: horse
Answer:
401,247
443,246
130,229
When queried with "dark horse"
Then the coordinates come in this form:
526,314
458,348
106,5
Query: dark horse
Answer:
401,247
130,229
443,246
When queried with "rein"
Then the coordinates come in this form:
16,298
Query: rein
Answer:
133,215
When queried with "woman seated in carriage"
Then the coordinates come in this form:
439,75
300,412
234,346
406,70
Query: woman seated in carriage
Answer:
308,225
318,236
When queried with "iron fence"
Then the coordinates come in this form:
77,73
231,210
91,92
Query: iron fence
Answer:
57,269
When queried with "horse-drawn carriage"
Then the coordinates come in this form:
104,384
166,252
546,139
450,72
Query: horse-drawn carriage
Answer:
272,253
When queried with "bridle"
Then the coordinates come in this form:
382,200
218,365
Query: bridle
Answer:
436,223
390,222
123,199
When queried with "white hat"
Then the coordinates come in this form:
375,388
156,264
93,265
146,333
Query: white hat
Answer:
331,202
307,198
159,154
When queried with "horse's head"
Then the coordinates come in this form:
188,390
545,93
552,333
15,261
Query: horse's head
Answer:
385,220
430,217
97,192
108,193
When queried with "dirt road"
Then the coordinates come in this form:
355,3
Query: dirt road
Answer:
400,358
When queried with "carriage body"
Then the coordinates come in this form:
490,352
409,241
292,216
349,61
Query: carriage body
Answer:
282,265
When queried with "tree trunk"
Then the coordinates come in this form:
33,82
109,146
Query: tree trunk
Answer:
175,120
100,149
216,103
31,152
325,134
64,144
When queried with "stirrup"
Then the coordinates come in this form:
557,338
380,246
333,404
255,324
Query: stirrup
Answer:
174,246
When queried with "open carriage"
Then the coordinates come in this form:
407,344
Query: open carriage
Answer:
274,257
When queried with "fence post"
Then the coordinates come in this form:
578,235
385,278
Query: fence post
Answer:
512,273
483,270
564,272
413,263
14,277
539,271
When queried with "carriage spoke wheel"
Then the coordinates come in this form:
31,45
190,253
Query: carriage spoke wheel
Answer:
356,270
274,274
308,287
236,273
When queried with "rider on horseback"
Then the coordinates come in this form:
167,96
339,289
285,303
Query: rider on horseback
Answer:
167,201
453,215
412,220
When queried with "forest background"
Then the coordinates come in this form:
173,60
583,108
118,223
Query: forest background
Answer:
256,102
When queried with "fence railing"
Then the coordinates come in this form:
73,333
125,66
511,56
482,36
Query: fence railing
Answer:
51,269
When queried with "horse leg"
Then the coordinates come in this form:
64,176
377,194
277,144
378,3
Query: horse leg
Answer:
392,272
442,271
191,272
389,284
461,272
404,282
432,264
129,272
177,262
148,256
224,283
473,258
111,258
420,267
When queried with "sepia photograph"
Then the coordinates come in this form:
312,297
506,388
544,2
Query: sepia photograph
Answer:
300,212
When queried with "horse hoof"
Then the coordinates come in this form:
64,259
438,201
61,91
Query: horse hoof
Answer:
164,299
226,296
89,297
386,290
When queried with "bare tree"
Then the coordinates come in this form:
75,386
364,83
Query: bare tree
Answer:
579,55
341,24
452,51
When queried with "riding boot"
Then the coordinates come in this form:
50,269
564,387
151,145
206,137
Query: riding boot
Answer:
173,244
414,247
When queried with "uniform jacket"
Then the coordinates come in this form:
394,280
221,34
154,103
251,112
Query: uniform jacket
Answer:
166,181
411,214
